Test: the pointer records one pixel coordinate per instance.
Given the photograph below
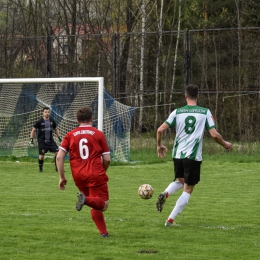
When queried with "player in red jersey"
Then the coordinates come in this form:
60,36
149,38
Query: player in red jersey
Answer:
89,161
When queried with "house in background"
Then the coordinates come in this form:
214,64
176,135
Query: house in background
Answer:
81,45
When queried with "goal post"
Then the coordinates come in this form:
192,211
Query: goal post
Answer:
22,100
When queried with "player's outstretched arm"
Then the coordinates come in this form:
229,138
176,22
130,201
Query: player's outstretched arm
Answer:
31,137
57,132
60,165
218,138
106,161
161,149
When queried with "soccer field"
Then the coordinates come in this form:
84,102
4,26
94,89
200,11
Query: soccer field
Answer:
221,221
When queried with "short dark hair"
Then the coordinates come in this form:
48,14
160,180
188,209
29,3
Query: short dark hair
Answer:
84,114
45,108
192,91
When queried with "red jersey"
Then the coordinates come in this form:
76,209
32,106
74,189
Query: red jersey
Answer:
86,145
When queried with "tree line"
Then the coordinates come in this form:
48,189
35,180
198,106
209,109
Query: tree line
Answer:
146,50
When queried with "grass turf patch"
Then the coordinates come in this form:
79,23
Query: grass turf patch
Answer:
220,222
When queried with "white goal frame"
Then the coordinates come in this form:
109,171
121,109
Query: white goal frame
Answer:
22,100
99,80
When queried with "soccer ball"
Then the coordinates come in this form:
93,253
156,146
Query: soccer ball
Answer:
145,191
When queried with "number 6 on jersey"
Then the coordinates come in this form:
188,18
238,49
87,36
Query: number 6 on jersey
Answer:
83,148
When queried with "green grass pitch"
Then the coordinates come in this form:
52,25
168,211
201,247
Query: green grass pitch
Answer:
221,221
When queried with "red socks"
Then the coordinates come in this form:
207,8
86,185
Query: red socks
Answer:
97,204
170,220
98,218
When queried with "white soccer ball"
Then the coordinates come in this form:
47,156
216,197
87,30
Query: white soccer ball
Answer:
145,191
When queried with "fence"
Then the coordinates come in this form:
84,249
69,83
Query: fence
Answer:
149,71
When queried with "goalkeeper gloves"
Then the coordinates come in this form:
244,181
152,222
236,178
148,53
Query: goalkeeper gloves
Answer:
31,142
59,139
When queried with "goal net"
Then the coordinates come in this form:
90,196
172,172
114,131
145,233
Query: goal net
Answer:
22,100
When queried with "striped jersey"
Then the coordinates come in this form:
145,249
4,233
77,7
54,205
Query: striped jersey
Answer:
45,129
190,123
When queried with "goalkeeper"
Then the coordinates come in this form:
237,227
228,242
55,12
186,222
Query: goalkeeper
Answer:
45,128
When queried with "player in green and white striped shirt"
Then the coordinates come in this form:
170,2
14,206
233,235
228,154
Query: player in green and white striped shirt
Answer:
190,122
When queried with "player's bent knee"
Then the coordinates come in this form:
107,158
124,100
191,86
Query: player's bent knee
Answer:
106,205
181,180
189,189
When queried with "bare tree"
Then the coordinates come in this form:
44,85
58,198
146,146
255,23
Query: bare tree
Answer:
160,27
166,65
204,61
175,54
239,65
143,15
130,21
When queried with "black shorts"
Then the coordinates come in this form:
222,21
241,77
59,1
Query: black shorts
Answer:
187,169
48,147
